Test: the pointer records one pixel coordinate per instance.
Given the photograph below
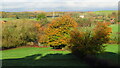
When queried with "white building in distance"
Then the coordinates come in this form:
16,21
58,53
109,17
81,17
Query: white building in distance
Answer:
82,16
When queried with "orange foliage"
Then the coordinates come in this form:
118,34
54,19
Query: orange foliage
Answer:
90,42
58,30
102,31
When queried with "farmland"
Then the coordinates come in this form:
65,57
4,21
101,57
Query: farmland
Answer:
59,39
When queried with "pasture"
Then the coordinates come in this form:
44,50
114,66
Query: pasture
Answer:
32,56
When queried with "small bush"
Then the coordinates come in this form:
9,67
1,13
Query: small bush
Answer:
18,32
41,16
89,41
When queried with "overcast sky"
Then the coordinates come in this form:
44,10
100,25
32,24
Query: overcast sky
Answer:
58,5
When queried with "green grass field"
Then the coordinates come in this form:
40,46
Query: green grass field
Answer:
114,34
114,27
106,12
31,56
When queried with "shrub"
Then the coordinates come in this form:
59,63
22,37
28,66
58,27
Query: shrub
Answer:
18,32
89,41
57,33
41,16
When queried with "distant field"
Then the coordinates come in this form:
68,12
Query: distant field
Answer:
7,19
105,12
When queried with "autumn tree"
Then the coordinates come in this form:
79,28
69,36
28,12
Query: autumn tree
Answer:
90,40
57,33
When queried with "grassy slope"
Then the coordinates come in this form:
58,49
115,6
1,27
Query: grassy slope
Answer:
39,57
22,52
32,56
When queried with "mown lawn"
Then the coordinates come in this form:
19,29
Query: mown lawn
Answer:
32,56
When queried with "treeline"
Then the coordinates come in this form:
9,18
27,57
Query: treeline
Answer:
18,15
29,15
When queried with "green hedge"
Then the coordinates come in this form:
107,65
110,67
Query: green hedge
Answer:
18,32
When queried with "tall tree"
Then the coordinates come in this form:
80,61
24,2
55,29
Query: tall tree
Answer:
57,33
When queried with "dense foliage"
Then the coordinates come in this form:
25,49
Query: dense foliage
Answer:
90,41
19,15
57,32
18,32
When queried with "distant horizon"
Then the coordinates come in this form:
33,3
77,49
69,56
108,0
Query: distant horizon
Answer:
59,11
56,5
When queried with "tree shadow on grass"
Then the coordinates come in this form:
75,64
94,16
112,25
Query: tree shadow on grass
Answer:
101,60
59,59
113,57
106,59
47,60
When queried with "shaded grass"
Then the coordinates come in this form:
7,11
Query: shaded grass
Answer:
32,56
39,57
111,53
48,60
